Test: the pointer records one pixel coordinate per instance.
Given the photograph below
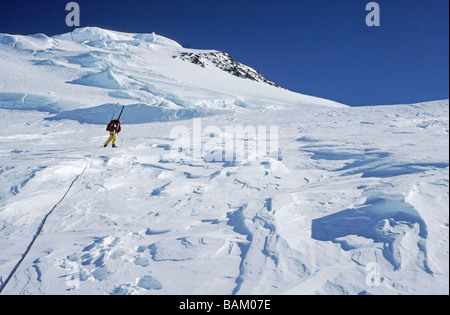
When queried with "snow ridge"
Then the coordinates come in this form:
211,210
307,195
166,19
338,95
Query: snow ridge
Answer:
114,67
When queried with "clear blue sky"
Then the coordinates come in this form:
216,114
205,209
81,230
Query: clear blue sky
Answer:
316,47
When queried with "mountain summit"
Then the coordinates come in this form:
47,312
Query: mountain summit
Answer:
91,67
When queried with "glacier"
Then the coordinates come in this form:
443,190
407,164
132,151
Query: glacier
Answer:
352,200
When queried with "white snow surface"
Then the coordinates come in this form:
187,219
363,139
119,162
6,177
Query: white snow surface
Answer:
350,201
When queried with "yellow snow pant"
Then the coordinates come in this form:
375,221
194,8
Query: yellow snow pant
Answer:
113,138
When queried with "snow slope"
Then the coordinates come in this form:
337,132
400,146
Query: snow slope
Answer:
346,201
92,67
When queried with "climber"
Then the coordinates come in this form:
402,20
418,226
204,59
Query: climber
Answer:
114,129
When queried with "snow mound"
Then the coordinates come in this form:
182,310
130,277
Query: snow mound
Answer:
149,283
95,36
36,42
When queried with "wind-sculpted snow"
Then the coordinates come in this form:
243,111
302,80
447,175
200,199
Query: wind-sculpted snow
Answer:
220,184
382,219
354,202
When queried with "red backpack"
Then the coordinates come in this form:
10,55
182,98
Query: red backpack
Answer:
114,126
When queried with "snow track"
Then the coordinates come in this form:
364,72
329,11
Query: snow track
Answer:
41,226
